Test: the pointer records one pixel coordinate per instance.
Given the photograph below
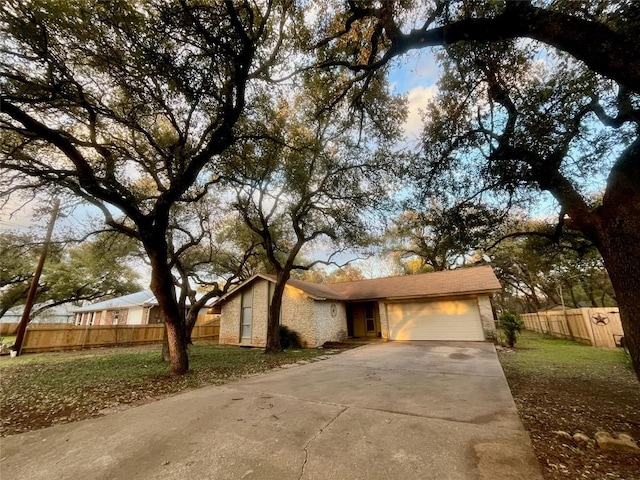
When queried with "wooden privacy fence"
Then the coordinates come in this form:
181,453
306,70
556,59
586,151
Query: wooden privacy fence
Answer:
8,329
47,338
600,327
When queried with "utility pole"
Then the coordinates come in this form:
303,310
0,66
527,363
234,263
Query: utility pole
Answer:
33,288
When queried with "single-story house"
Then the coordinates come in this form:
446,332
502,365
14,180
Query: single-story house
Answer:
44,314
449,305
133,309
140,308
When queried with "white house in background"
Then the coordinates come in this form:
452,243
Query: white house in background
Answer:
57,314
140,308
133,309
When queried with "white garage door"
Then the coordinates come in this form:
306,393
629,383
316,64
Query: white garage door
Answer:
438,320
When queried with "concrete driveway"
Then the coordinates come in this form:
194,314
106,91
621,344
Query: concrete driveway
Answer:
410,410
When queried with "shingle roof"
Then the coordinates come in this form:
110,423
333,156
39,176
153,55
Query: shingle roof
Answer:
462,281
317,290
435,284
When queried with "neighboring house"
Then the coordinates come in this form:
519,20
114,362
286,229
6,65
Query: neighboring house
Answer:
133,309
449,305
140,308
57,314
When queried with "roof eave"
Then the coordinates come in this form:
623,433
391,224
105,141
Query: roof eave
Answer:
443,295
231,293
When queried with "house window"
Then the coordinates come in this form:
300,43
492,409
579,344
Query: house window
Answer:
369,317
116,317
91,318
246,318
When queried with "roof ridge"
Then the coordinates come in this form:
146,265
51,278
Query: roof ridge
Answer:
411,274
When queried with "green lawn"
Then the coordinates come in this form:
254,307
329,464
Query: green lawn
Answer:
543,354
559,385
39,390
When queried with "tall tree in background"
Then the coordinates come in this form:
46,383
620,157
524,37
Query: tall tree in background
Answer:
440,237
535,268
73,273
345,273
308,179
206,258
543,114
18,257
126,104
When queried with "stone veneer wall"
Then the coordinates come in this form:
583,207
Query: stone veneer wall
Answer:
328,327
298,314
260,313
486,316
230,321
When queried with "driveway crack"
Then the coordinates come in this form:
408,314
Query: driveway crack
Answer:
312,439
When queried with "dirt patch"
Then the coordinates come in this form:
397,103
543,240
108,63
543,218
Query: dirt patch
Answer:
574,401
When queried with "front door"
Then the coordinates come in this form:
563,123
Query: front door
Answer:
350,320
369,318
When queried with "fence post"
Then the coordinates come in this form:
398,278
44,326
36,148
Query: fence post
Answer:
566,320
593,334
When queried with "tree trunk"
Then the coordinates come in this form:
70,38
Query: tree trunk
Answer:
190,322
162,288
620,248
165,356
614,228
273,325
617,236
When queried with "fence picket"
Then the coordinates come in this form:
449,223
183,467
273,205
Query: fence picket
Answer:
579,324
50,337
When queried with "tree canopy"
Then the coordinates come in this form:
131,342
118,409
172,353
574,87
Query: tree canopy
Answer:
72,274
127,105
308,177
536,96
538,271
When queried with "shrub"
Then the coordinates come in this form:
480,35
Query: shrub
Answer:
288,338
511,324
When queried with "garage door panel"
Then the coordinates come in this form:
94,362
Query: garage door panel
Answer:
437,320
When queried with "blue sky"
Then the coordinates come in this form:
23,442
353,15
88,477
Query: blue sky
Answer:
415,75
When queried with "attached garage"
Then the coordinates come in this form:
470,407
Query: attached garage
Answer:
435,320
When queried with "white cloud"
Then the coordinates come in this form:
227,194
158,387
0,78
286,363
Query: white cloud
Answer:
17,216
417,98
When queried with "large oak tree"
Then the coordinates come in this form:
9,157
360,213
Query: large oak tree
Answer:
581,118
128,104
309,178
